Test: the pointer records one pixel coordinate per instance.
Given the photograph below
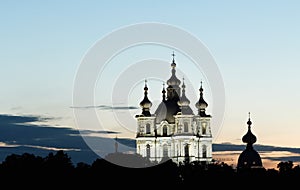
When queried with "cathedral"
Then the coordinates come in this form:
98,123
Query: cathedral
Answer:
173,130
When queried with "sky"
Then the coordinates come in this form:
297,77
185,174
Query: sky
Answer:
254,44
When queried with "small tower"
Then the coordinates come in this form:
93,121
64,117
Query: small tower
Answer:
164,93
184,136
146,130
173,90
249,158
145,103
201,105
184,102
203,129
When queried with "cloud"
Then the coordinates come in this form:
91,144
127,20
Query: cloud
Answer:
284,158
258,147
17,108
14,119
20,134
105,107
87,132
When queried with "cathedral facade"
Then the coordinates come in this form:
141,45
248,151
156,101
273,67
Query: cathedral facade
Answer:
173,131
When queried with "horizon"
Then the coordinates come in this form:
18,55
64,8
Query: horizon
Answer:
42,139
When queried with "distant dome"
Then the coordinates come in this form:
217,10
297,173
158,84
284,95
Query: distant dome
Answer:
249,158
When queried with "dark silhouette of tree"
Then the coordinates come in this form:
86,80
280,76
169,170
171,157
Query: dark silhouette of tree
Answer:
285,167
57,168
21,165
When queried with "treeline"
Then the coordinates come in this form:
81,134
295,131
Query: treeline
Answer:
57,169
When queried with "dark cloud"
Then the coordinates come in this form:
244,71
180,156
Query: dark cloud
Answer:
258,147
14,119
22,136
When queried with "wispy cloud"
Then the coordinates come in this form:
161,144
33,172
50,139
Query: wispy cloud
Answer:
52,148
105,107
82,132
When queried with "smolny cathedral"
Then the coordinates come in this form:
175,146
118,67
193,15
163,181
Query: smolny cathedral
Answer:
173,130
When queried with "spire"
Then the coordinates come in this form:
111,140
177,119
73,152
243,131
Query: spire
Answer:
201,104
173,81
145,103
173,61
249,137
164,93
184,101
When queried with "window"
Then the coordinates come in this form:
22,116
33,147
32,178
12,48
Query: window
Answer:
148,131
204,151
165,130
204,128
148,151
179,128
185,127
165,150
186,150
186,153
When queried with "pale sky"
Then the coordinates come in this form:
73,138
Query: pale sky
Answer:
255,45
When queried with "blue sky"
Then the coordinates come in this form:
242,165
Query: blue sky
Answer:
255,45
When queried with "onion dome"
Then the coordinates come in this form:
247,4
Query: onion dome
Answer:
201,105
249,137
173,81
184,101
146,103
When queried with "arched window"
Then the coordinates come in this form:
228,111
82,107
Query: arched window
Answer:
185,127
165,130
148,151
148,128
165,150
204,128
204,151
186,153
186,150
